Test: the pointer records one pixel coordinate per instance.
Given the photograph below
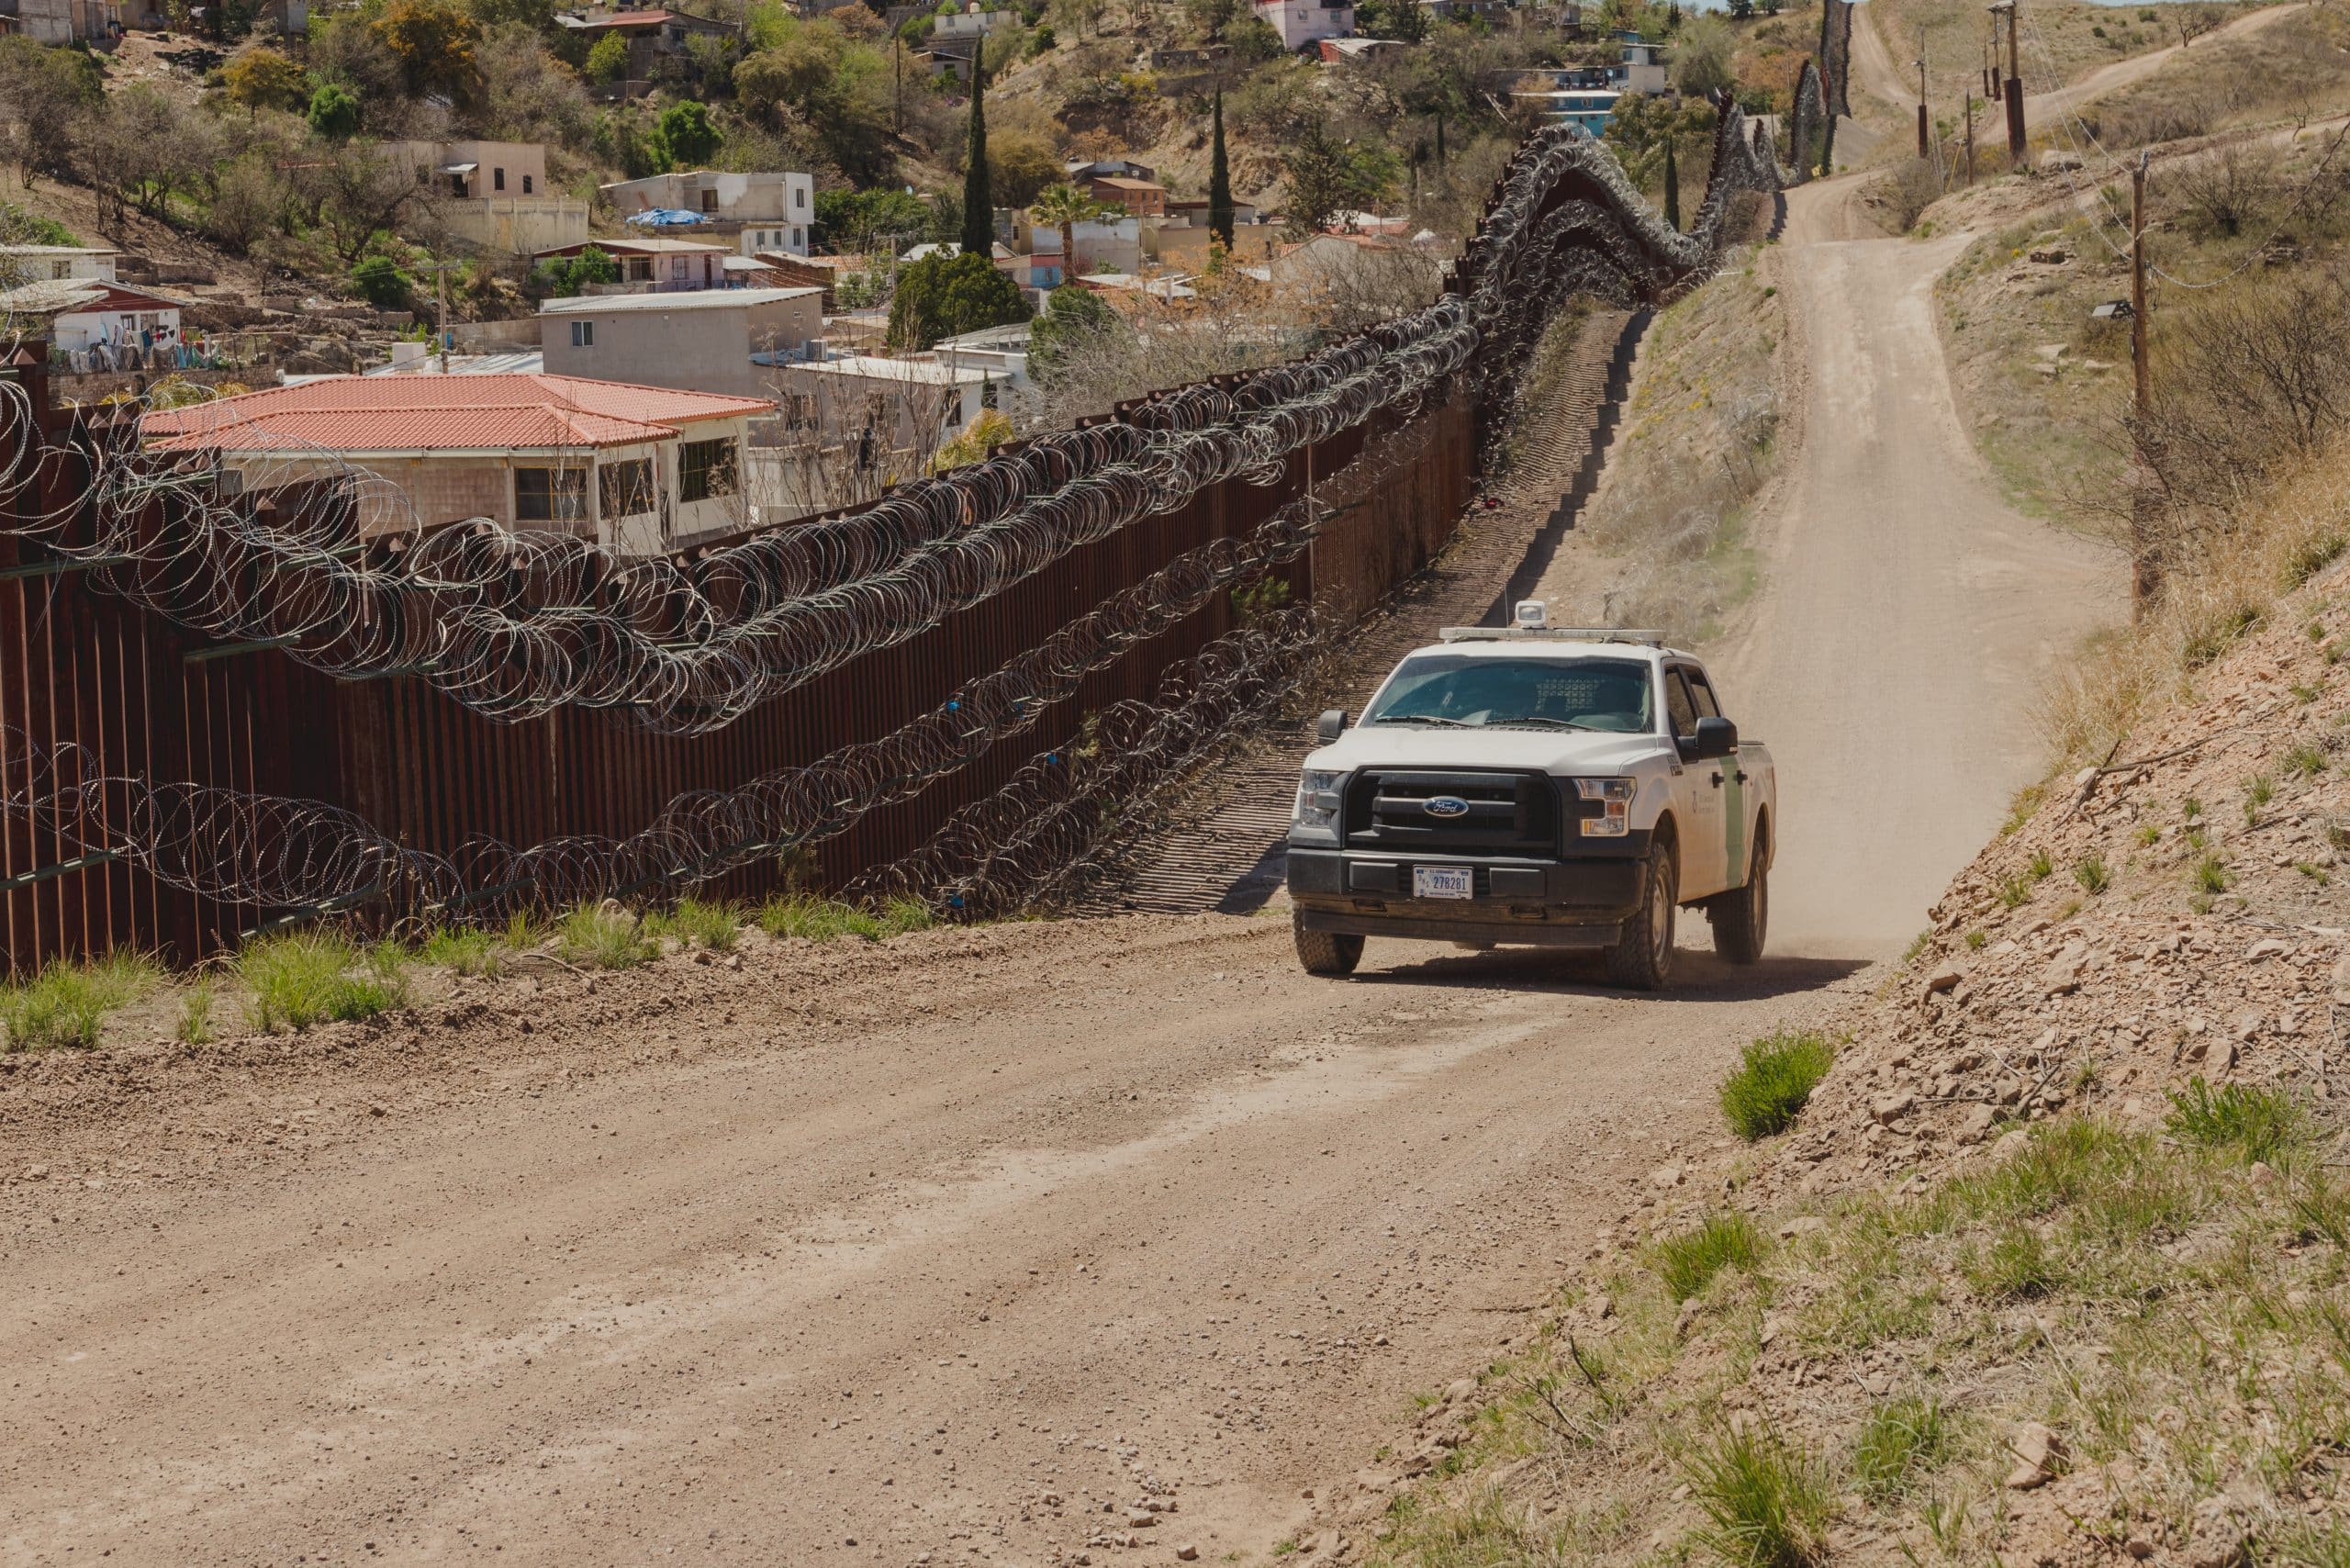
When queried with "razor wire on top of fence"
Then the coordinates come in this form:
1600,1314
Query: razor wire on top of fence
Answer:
803,598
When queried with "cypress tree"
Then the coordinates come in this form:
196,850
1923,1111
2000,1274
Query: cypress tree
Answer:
978,204
1220,216
1672,188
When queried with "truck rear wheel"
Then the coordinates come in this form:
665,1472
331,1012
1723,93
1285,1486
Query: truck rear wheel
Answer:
1326,952
1741,918
1642,957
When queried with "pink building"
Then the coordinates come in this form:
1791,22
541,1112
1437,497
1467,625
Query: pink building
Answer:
1305,23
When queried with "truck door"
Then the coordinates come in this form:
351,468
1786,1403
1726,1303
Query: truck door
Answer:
1738,812
1702,860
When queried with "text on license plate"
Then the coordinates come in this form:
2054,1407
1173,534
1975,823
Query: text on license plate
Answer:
1444,882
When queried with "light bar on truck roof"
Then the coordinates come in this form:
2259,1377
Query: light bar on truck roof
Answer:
1649,639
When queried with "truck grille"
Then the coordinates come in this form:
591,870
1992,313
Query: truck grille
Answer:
1509,814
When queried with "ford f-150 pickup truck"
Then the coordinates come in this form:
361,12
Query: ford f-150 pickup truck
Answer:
1540,785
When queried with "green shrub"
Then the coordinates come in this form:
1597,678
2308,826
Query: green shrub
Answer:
2017,1266
821,920
1772,1082
1899,1441
2042,868
194,1027
716,926
2092,874
2305,762
2210,875
464,948
311,976
2015,892
1766,1502
379,281
66,1003
1687,1261
2258,1124
602,938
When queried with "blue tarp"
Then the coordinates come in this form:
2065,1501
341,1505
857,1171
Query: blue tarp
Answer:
664,217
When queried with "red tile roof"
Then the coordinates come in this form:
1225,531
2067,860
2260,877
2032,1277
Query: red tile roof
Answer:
424,413
628,19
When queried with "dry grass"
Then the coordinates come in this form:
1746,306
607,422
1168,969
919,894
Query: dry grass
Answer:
2172,1313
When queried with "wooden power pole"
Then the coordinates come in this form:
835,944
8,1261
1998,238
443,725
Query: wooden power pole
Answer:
1966,115
2145,579
2013,91
1923,150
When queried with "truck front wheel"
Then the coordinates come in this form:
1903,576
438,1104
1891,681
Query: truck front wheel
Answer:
1741,916
1326,952
1642,957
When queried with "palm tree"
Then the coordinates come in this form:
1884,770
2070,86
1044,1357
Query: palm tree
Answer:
1065,207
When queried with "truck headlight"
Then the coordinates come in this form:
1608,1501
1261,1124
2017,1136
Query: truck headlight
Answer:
1316,812
1615,795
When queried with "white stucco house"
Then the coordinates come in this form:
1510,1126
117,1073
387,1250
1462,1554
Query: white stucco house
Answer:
1305,23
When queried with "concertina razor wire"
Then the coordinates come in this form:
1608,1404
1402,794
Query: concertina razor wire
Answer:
514,623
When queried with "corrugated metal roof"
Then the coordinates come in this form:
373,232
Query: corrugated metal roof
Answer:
420,413
57,295
678,299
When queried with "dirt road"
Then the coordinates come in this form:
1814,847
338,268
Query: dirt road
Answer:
970,1247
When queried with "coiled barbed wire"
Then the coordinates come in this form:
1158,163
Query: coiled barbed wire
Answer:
513,623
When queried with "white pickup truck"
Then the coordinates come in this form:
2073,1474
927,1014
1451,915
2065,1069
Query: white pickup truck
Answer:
1528,784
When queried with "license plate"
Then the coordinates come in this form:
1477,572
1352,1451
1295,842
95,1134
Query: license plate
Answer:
1444,882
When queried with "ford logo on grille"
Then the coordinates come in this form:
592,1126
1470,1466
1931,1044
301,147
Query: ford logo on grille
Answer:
1446,806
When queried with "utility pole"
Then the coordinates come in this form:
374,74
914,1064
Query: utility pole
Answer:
1922,150
2144,579
2014,90
1966,114
441,271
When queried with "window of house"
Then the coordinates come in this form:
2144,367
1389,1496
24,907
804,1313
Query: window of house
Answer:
798,196
954,410
706,469
795,238
583,334
625,488
710,201
497,179
527,180
640,269
550,495
678,268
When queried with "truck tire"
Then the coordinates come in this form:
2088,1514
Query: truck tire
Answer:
1741,918
1326,952
1642,957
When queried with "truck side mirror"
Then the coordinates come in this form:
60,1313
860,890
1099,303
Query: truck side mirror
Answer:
1330,725
1715,738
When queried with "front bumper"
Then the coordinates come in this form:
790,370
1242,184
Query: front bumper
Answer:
1578,902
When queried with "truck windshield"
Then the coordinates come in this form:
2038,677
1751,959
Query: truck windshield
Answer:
1465,690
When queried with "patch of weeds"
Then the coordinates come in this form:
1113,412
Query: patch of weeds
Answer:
2258,793
66,1004
2255,1124
821,920
2092,874
2217,638
2337,835
1774,1081
1686,1263
1899,1442
2210,875
2305,761
1978,939
2015,892
2314,872
694,923
2303,693
2321,1209
311,976
194,1027
2042,868
2020,811
2197,839
1918,944
602,938
2311,556
466,949
2015,1266
2190,807
2149,836
1766,1501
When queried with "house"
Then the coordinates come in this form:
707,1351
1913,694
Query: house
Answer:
659,266
1124,168
1184,247
885,406
717,341
1101,244
1585,109
1303,23
1644,69
651,36
1141,198
949,59
37,264
83,313
62,21
760,212
1193,211
1335,50
495,193
638,469
972,22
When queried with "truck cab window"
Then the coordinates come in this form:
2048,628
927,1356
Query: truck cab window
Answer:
1677,704
1702,695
